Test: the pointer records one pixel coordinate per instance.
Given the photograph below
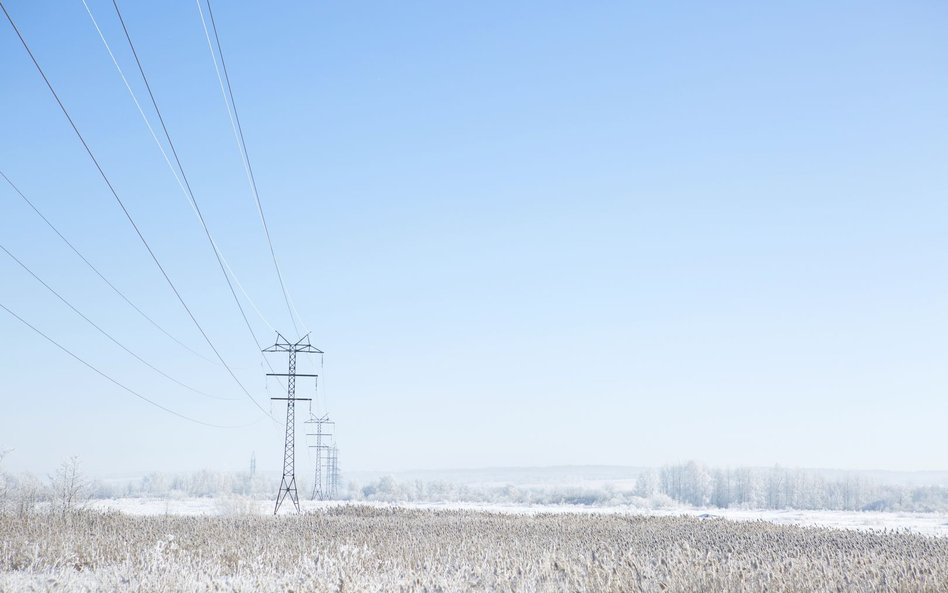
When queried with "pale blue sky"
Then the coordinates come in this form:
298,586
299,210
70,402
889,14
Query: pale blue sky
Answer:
524,233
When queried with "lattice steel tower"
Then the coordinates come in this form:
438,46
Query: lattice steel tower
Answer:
322,423
288,484
333,472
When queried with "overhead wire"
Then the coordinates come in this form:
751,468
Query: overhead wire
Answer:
103,332
182,185
116,382
128,214
242,147
187,184
230,103
181,180
100,274
184,177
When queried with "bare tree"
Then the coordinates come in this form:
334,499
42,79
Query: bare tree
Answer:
70,489
25,493
646,484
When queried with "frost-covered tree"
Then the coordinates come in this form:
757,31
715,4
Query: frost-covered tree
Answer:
721,495
698,484
26,492
69,489
646,484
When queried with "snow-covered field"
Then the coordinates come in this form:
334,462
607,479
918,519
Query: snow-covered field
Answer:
933,524
234,546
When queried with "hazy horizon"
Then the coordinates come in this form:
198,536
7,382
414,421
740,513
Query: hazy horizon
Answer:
445,473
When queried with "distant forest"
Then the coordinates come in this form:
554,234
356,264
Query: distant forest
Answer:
689,483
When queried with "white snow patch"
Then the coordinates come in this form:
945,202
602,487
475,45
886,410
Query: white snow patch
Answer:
933,524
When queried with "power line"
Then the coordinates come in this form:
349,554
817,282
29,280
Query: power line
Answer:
102,331
184,177
164,154
102,374
182,180
127,214
242,147
98,273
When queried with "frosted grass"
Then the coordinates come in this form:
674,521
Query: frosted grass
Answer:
363,548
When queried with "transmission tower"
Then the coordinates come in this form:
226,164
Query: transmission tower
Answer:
333,472
323,429
288,484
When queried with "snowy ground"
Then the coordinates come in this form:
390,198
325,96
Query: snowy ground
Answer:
934,524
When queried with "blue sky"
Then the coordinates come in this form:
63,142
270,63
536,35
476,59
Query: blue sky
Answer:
530,234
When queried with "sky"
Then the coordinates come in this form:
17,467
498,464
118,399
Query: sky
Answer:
524,234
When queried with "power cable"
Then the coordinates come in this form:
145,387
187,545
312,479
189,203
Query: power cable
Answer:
102,374
103,332
128,215
182,180
242,147
164,154
99,274
184,177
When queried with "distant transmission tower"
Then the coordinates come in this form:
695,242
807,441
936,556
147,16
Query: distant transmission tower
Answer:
323,429
288,484
333,472
253,464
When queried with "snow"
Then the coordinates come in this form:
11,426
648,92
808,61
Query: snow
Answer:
932,524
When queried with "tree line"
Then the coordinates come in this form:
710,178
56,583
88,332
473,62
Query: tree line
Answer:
691,483
778,487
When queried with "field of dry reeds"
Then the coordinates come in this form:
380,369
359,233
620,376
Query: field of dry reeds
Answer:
358,548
